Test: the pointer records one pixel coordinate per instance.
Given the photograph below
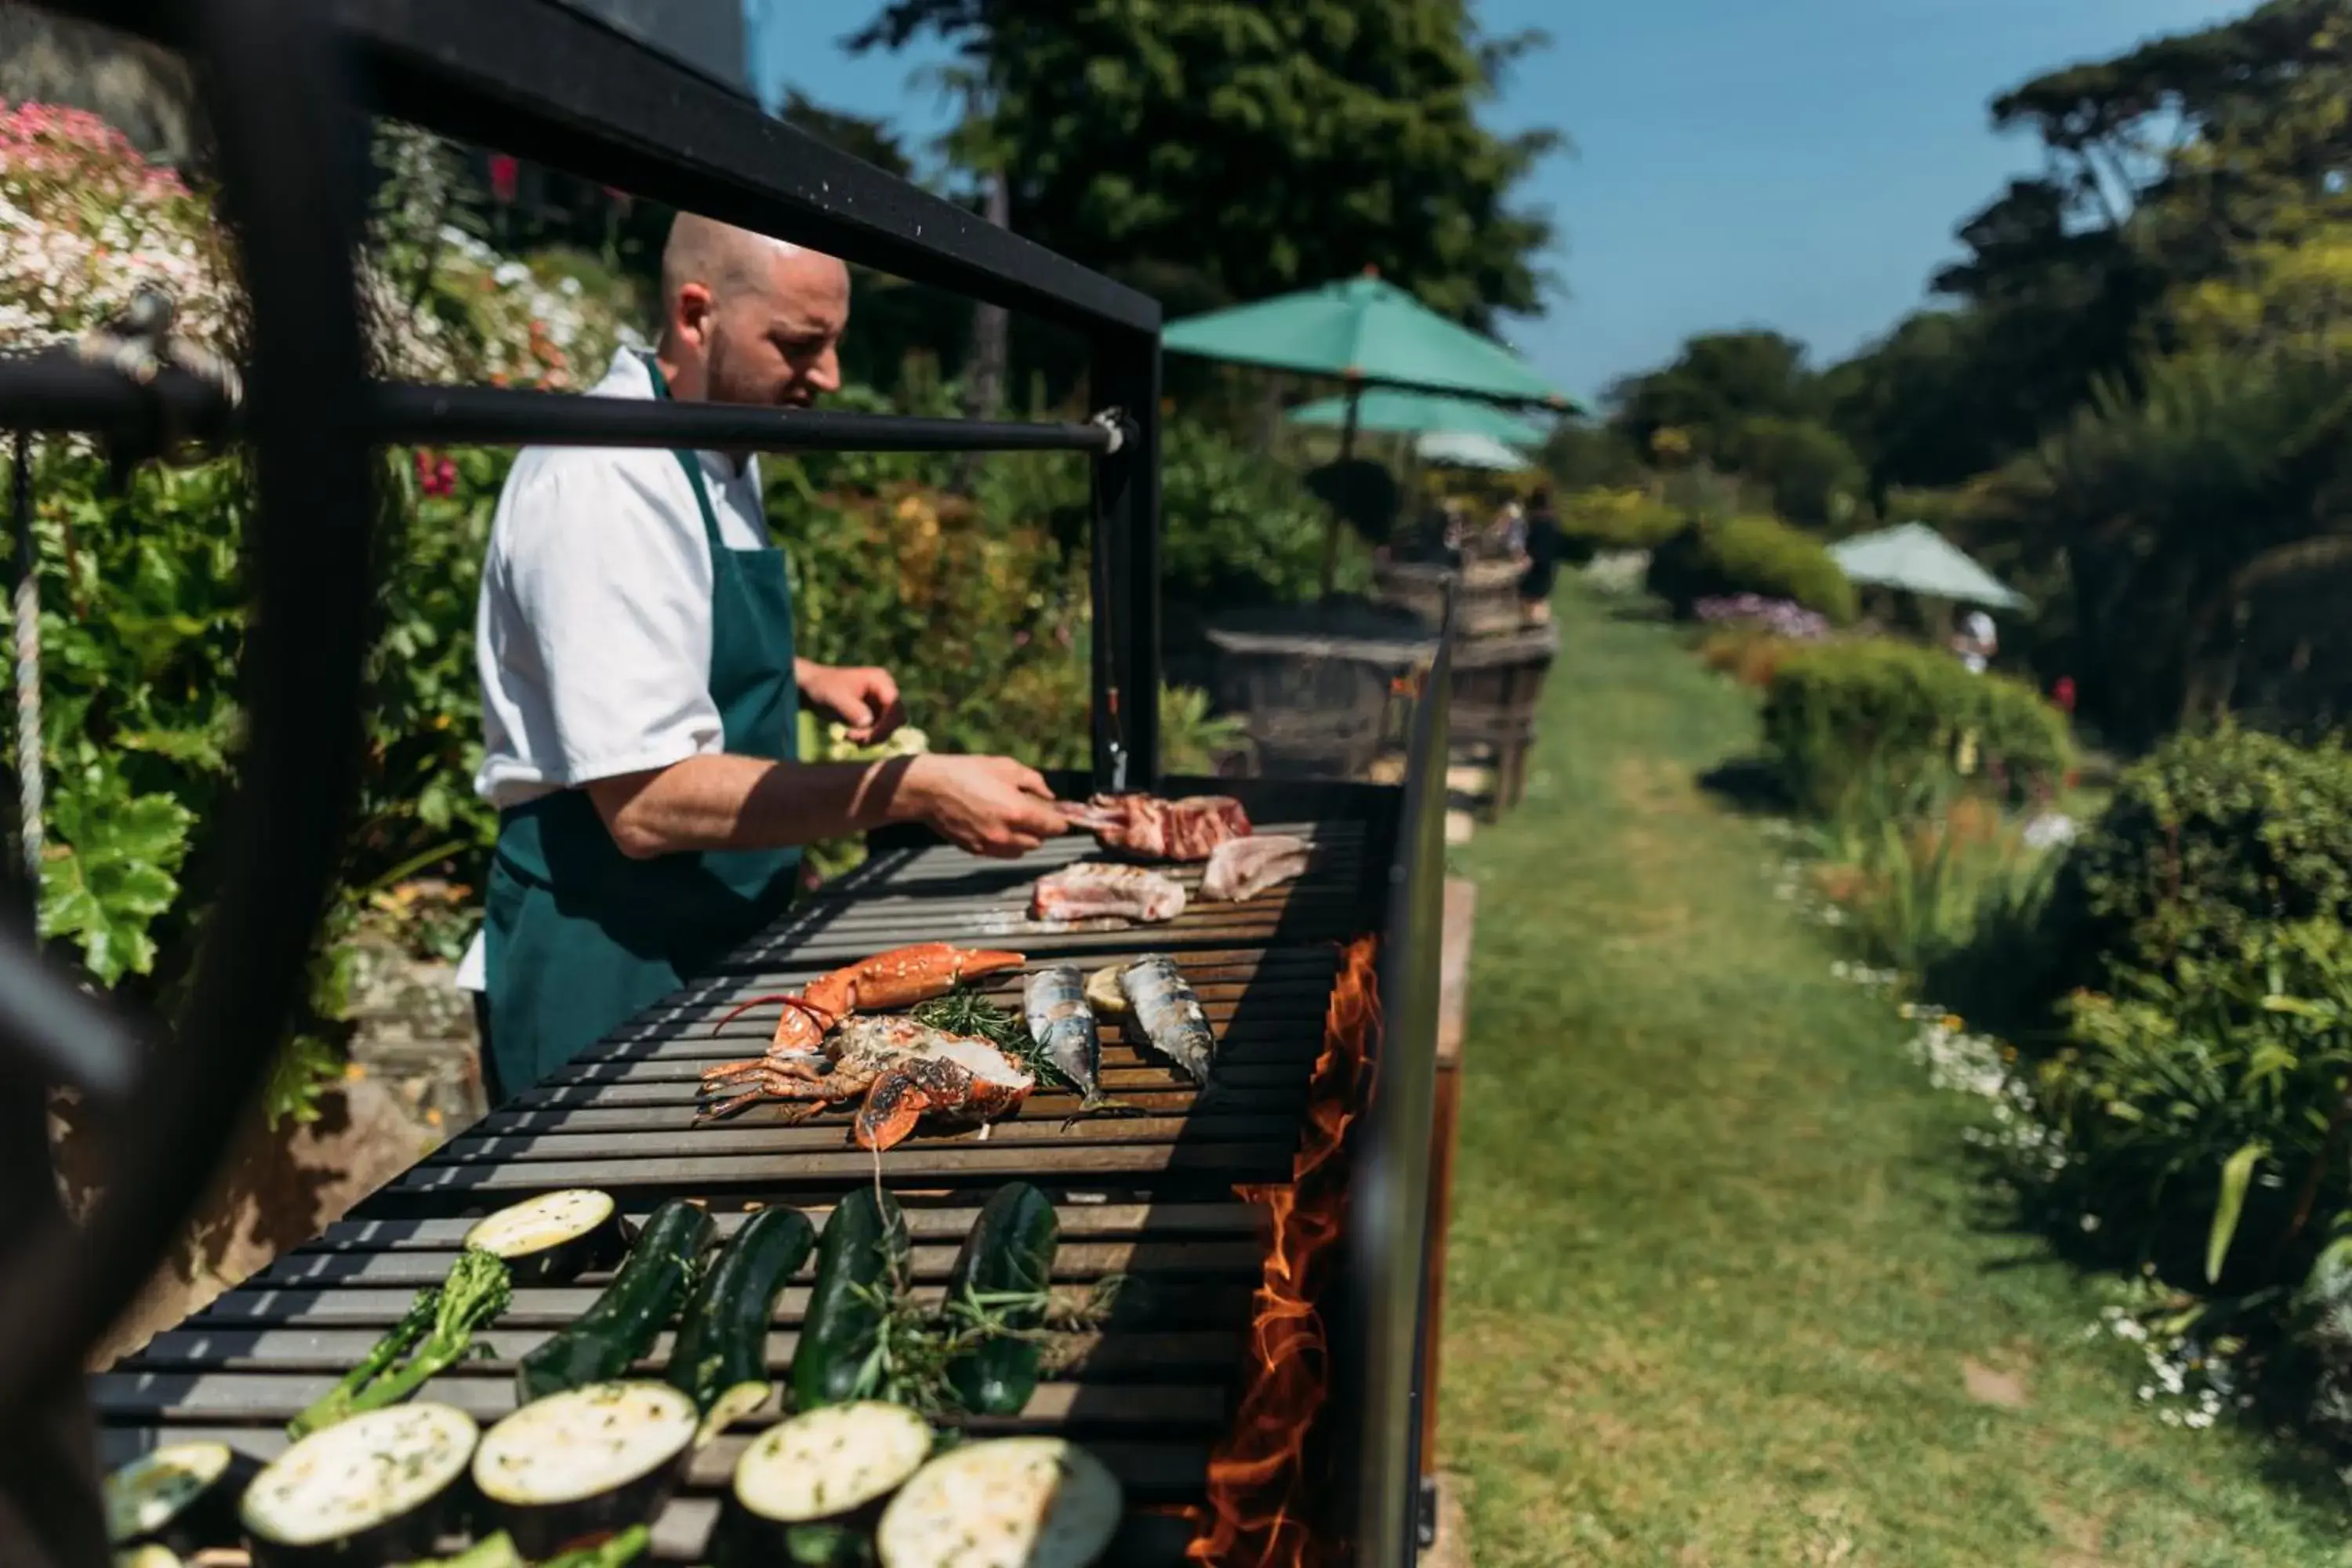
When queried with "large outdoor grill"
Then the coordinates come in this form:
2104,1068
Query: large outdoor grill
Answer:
1148,1201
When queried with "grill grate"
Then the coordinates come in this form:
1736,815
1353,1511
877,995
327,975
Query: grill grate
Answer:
1144,1199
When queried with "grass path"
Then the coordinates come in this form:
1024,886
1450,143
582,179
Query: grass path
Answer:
1721,1291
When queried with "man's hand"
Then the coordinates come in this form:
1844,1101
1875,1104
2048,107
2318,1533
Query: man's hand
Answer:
863,698
989,806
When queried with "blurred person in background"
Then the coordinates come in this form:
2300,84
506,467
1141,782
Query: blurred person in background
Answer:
1544,547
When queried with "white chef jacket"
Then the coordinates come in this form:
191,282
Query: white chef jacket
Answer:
593,631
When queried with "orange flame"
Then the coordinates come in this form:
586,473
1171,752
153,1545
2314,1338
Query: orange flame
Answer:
1256,1476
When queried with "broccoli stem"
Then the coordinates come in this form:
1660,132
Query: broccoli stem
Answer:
443,1318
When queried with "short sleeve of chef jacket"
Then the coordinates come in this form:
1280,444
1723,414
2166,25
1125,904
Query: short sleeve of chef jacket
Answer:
594,623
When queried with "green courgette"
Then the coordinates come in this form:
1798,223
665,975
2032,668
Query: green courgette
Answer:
860,1259
620,1325
996,1295
721,1358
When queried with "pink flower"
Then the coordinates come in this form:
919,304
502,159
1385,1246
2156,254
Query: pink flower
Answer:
506,176
436,477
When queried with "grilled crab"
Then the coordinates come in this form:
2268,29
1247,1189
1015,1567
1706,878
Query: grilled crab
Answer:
905,1071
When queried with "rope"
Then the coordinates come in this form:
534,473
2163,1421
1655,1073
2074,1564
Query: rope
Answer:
27,611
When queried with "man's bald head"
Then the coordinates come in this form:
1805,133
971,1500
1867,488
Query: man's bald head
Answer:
746,319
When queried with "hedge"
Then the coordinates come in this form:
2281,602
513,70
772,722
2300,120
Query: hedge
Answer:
2207,840
1754,554
1872,712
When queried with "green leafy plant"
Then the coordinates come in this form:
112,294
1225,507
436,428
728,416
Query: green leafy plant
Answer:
2206,841
2205,1107
1749,554
1839,714
1618,517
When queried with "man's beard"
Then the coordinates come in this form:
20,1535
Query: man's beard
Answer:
724,380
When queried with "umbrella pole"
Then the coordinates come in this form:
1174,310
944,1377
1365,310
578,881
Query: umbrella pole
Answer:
1346,450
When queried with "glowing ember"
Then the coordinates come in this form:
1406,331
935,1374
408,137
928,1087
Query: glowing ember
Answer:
1256,1476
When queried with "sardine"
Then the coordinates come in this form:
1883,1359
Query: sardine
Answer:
1054,1002
1163,1010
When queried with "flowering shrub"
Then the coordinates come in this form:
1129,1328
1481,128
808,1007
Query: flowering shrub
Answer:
141,591
84,221
1783,619
1750,555
446,307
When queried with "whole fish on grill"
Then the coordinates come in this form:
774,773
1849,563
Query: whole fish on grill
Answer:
1162,1010
1093,889
1241,868
1054,1002
1156,829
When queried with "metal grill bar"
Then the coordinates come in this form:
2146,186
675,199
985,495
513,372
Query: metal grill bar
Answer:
58,391
547,83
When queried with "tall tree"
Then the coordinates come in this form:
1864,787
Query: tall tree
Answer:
1748,404
2173,176
1221,149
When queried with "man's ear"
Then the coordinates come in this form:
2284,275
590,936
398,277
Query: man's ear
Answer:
691,318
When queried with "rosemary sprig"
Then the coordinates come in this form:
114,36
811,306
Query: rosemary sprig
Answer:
965,1011
914,1349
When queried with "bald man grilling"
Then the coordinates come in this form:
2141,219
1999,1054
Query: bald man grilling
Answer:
640,691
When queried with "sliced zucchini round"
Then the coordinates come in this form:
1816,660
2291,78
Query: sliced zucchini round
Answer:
1013,1503
832,1461
182,1495
555,1236
585,1462
378,1487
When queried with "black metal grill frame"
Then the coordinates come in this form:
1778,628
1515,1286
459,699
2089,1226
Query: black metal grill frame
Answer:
535,79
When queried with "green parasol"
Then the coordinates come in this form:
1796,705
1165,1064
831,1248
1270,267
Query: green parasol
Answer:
1370,334
1915,558
1423,413
1365,331
1468,449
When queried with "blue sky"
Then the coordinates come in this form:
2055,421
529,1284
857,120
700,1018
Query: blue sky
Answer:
1793,163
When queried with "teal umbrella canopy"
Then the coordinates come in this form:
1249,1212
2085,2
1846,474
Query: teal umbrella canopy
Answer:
1365,331
1459,449
1917,559
1423,413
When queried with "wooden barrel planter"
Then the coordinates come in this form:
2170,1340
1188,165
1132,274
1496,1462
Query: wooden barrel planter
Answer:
1315,684
1499,684
1487,601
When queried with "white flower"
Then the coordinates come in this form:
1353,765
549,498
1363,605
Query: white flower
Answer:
2049,829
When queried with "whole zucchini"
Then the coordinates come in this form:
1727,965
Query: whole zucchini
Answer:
620,1325
721,1361
861,1255
1009,1251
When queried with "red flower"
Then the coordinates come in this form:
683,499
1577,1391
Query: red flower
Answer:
436,477
506,175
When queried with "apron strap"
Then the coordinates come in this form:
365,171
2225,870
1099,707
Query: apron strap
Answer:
692,463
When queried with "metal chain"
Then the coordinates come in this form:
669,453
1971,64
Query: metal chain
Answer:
27,611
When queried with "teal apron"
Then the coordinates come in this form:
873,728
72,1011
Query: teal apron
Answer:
578,936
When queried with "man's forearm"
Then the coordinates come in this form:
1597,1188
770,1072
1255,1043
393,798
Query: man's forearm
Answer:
723,802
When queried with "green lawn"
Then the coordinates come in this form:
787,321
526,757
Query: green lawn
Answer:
1722,1289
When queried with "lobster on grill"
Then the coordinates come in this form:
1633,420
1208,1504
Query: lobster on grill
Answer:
797,1054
